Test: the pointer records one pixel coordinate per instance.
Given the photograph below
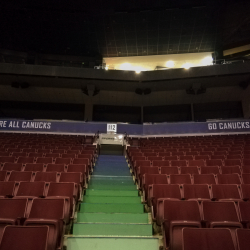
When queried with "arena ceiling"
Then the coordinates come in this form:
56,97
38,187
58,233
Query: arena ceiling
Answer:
111,28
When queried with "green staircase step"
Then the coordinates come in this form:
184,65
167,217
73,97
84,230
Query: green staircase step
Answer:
112,229
111,208
108,199
112,218
112,181
112,187
108,243
98,192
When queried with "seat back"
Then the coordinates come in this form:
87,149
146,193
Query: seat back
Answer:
24,238
196,191
31,189
206,238
223,191
180,179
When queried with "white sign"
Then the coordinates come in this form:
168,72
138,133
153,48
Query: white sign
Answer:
112,128
111,139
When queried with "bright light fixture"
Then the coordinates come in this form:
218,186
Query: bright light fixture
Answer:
170,64
120,136
106,67
137,71
187,65
207,60
126,66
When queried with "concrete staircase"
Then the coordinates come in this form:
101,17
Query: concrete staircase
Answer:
111,215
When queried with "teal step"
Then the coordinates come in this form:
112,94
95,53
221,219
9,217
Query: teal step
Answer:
111,208
113,218
110,199
98,192
107,229
108,243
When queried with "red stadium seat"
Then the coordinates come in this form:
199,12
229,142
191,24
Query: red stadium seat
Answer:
32,238
210,170
189,170
49,212
180,179
160,163
46,176
214,163
245,190
25,160
226,192
35,167
21,176
204,238
13,167
198,163
7,189
246,178
244,211
243,239
65,161
198,192
7,159
169,170
220,214
149,179
178,163
177,215
44,160
55,168
228,179
204,179
11,212
64,190
3,175
231,170
157,191
232,162
31,189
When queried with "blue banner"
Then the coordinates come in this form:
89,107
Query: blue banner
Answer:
131,129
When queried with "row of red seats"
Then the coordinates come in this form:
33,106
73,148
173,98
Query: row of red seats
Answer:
149,179
29,176
214,239
191,238
41,189
140,171
51,212
193,171
49,149
174,216
39,167
199,192
201,148
188,151
190,156
45,160
184,163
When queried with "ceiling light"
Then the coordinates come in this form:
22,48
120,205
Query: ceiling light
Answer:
137,71
187,65
170,64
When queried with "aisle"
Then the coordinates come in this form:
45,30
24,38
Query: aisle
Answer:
111,215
